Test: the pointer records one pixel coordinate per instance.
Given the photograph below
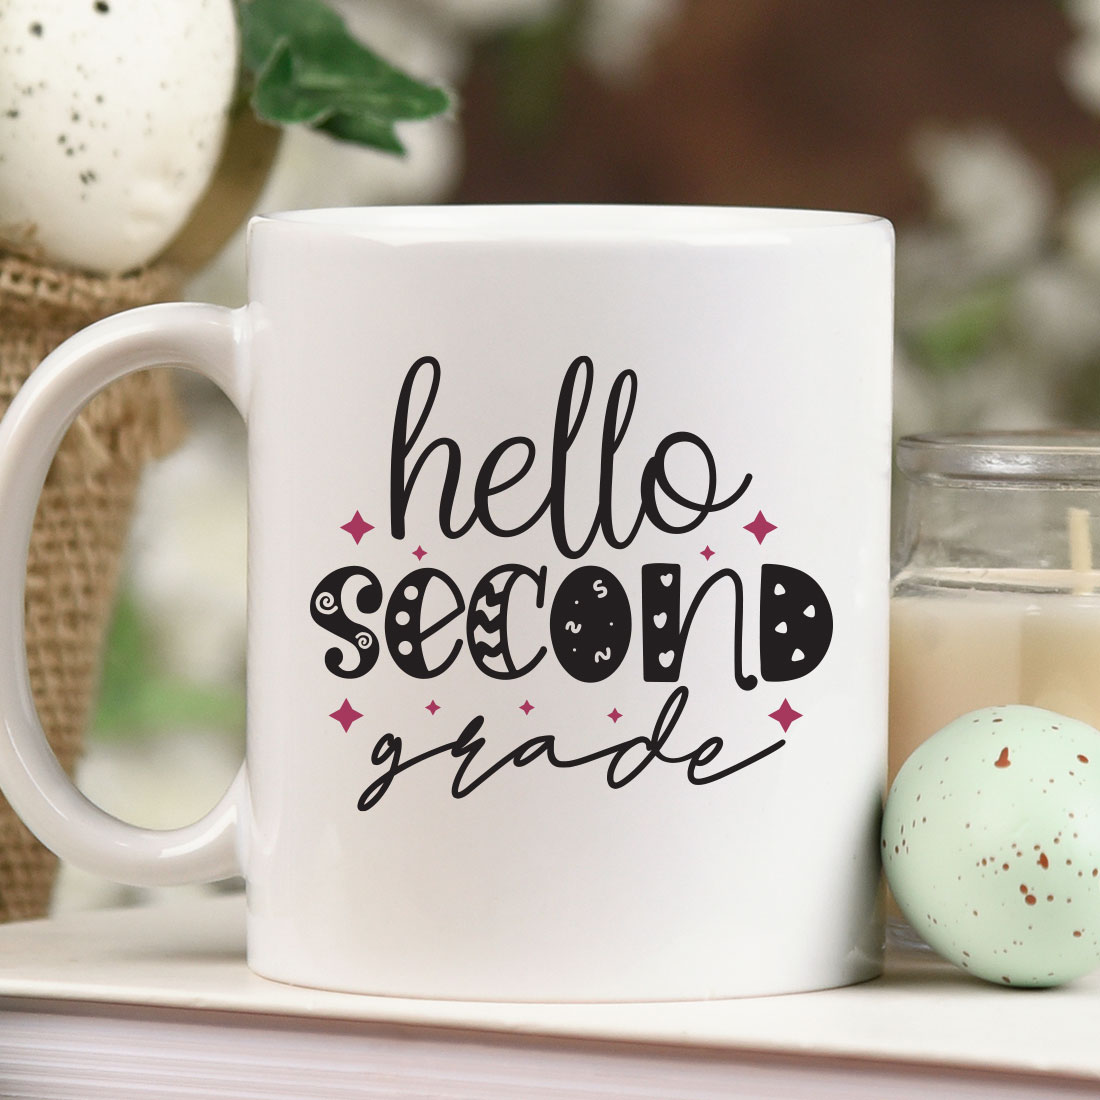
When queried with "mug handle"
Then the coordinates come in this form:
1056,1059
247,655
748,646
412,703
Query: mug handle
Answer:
211,340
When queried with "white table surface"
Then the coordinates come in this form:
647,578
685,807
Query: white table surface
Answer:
191,956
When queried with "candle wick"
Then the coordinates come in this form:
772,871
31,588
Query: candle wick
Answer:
1080,549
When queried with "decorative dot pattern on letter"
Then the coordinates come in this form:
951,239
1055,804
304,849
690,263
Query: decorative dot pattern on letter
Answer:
590,623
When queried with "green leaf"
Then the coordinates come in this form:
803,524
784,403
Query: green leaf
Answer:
533,63
960,335
265,22
308,70
137,699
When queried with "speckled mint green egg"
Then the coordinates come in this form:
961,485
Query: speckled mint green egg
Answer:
991,844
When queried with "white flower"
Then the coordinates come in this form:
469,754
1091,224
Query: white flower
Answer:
915,407
934,267
1081,64
617,35
1055,312
312,169
188,554
989,193
1003,392
1085,13
479,16
1081,229
1081,70
410,35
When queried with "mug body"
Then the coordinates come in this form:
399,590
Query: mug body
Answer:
567,600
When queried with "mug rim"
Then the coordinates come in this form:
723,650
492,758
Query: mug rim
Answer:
616,222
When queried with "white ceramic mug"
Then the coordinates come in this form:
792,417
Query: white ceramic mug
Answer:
567,599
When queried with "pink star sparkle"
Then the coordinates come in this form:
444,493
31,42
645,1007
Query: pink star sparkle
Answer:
419,552
346,715
614,715
786,715
526,706
432,707
357,527
707,552
760,528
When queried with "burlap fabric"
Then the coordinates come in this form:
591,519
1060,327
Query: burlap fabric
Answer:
81,525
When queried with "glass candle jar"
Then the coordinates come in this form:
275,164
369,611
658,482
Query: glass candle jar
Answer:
994,598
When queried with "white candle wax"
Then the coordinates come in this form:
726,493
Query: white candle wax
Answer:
955,649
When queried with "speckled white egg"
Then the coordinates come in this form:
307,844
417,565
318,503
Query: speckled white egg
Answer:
991,844
112,114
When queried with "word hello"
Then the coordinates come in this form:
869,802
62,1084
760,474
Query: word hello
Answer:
574,397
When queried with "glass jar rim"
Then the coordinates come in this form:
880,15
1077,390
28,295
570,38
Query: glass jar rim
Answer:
1063,455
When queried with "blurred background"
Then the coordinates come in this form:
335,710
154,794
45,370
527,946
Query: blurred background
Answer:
972,126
